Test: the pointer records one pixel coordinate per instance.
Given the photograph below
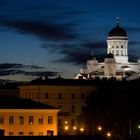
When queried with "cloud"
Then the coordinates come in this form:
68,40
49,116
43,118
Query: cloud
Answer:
76,52
42,30
28,70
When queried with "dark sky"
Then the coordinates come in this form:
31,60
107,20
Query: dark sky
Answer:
52,37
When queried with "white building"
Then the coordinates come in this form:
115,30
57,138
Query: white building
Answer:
116,63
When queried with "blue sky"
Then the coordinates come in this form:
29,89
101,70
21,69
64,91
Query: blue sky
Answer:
52,37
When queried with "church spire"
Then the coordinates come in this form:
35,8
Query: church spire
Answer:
117,21
92,53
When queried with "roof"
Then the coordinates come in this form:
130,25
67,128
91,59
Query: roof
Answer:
62,82
117,31
109,55
91,57
17,103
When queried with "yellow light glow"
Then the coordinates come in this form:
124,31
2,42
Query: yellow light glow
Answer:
66,127
81,129
66,122
74,128
138,126
108,134
99,128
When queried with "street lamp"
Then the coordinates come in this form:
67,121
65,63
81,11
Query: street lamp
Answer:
99,128
81,129
108,134
66,127
74,128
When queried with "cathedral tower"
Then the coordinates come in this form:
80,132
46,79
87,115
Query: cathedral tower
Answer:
117,44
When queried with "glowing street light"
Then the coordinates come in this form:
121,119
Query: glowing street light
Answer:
139,126
74,128
108,134
66,128
99,128
81,129
66,122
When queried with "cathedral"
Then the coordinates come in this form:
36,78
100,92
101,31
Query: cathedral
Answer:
116,63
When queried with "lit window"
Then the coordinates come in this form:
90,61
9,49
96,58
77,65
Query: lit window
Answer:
40,120
21,120
31,120
1,120
50,119
112,51
117,52
121,52
11,119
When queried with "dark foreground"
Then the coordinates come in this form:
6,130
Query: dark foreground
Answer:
65,138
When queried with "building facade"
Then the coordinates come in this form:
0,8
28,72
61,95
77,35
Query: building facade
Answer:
23,117
68,95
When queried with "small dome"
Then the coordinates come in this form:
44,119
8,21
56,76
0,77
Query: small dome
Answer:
91,57
117,31
109,55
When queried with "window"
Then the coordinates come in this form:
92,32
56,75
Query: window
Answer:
60,106
40,133
20,133
49,133
21,120
72,122
1,120
31,120
73,96
122,46
11,133
11,119
112,51
73,108
117,52
112,47
50,119
59,96
82,108
46,96
121,52
117,47
82,96
30,133
40,120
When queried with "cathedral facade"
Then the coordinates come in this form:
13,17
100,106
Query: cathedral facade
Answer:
116,63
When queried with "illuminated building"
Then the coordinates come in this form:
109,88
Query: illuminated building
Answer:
24,117
68,95
116,63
